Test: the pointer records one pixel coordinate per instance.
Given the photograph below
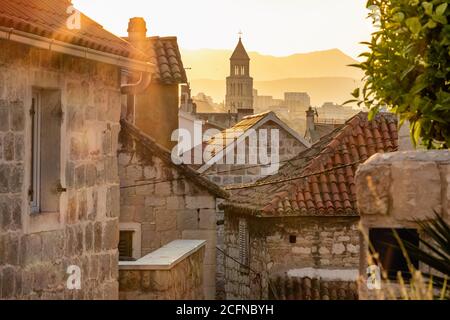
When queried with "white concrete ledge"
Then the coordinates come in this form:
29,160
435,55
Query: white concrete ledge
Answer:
326,274
166,257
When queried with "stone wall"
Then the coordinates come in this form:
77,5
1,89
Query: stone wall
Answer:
184,281
35,250
396,189
166,211
322,243
228,174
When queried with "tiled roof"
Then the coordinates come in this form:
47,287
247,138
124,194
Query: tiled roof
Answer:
48,18
165,54
128,131
224,140
294,288
330,193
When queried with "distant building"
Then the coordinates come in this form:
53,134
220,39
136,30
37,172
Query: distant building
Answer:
297,102
333,111
316,129
239,97
239,83
264,103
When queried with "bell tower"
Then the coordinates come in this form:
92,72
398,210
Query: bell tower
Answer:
239,83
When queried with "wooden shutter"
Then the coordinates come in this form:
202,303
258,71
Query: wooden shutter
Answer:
126,245
243,242
50,150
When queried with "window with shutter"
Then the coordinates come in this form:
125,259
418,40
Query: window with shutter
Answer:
243,242
126,246
46,117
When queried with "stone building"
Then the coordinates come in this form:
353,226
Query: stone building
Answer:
228,143
161,202
239,83
60,104
239,92
396,191
302,223
155,109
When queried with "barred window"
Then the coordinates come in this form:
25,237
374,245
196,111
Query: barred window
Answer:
126,245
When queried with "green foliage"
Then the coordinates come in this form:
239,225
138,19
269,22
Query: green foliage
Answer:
407,67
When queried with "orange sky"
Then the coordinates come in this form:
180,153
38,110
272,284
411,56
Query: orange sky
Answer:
273,27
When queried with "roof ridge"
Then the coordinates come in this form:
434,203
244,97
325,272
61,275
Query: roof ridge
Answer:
165,154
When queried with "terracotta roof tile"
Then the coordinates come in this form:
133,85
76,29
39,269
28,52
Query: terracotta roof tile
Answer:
47,18
165,53
331,192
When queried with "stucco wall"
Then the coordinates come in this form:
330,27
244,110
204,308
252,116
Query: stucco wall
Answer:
156,112
322,243
35,250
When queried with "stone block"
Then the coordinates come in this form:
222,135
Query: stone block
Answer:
4,116
31,249
200,202
52,245
373,189
111,235
19,147
16,179
5,172
416,190
155,201
175,203
301,250
166,220
207,219
8,283
8,146
338,248
187,219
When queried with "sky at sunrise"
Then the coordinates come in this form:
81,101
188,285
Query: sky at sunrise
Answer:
271,27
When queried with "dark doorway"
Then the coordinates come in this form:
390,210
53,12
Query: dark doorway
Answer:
390,254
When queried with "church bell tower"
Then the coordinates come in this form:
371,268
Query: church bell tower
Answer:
239,84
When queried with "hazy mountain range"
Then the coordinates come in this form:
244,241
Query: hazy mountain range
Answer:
325,75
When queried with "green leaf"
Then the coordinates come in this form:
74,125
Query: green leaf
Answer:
440,19
414,25
431,24
398,17
407,71
373,112
416,134
355,93
428,8
440,10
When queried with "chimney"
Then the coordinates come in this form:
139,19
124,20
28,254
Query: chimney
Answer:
241,113
137,29
310,126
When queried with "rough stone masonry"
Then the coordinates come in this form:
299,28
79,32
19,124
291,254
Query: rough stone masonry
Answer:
35,250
